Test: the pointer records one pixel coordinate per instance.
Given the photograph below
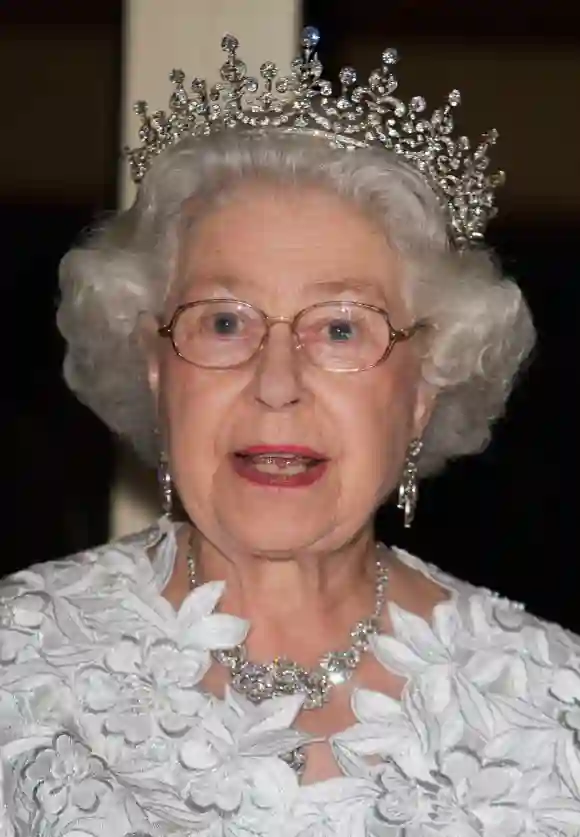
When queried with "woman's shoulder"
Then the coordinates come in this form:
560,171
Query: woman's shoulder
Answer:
87,570
479,609
68,603
475,637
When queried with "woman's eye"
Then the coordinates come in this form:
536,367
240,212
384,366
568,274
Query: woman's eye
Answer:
225,324
340,331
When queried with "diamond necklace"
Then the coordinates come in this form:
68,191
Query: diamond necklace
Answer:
259,681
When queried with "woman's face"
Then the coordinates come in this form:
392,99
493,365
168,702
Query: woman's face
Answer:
282,249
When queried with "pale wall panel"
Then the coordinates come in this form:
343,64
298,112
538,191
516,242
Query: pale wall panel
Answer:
185,34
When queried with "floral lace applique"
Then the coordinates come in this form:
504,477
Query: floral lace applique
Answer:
106,730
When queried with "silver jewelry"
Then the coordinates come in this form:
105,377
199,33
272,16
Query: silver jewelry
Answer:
408,487
165,484
259,681
364,114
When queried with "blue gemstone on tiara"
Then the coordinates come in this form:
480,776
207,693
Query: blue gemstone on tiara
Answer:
310,37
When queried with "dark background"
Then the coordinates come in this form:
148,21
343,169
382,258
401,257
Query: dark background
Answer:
505,519
60,70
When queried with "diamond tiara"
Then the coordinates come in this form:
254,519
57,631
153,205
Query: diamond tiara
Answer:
364,115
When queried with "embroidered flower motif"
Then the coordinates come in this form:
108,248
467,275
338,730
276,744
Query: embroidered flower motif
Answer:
424,653
142,688
392,730
466,797
21,616
234,758
542,805
423,782
63,775
511,649
565,687
538,739
196,626
466,656
338,808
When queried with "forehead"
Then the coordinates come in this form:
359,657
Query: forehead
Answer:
273,239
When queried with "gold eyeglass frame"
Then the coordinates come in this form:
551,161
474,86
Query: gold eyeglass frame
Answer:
396,335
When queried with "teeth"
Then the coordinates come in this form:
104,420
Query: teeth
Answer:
273,464
280,460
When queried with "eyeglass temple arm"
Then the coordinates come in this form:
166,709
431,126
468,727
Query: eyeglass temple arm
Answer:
406,333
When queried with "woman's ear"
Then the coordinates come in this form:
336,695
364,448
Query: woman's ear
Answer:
146,333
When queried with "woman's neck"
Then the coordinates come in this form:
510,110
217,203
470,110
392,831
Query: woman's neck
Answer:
298,606
288,584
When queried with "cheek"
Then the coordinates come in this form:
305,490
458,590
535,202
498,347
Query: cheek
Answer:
377,421
196,408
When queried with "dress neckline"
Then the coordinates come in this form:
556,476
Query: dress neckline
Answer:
160,553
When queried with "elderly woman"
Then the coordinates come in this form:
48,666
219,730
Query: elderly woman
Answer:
291,318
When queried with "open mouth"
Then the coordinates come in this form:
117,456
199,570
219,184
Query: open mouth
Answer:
289,467
276,463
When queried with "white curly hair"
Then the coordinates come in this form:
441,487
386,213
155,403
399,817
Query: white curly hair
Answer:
482,329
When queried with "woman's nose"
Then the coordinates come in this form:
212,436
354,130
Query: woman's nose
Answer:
278,382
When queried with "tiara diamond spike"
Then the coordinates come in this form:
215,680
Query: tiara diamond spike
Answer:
362,115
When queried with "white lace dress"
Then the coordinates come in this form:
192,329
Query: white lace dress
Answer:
105,731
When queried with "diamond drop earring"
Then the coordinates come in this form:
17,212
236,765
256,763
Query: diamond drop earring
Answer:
165,484
408,489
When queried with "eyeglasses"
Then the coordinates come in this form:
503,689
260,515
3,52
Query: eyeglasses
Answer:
335,336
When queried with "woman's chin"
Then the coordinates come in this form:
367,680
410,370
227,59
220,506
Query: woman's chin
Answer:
275,535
